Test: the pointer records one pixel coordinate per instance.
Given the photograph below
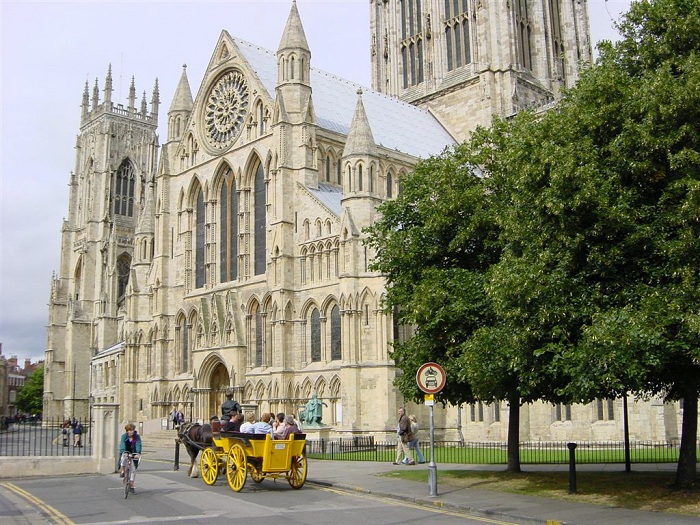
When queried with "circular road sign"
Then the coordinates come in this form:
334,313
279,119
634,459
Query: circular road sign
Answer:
431,378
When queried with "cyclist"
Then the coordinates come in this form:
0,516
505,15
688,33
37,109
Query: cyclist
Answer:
130,442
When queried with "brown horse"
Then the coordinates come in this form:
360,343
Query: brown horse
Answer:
195,437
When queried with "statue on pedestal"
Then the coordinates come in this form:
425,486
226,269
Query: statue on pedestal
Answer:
312,413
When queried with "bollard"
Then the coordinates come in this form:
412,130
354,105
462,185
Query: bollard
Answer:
572,467
176,464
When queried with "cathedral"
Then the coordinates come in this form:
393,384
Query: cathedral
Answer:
231,256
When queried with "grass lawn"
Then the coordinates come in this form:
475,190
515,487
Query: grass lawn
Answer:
633,490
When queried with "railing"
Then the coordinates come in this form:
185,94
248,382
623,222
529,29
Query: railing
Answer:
496,453
44,438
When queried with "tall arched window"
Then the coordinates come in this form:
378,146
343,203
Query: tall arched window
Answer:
199,240
336,347
228,230
185,346
124,190
258,337
389,186
260,221
123,270
457,40
522,19
315,335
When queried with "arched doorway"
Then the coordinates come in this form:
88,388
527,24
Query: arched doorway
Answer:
217,389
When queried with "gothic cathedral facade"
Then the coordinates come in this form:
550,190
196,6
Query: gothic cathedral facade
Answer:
232,255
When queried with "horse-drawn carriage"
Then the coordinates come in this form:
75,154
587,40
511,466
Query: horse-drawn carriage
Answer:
237,454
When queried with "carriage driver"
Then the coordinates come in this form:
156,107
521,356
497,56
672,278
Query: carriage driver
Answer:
229,407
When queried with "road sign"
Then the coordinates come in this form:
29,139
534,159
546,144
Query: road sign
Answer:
431,378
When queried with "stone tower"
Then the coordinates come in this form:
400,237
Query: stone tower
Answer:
110,208
467,60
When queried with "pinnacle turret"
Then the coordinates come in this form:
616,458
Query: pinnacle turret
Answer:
182,100
360,140
108,85
132,96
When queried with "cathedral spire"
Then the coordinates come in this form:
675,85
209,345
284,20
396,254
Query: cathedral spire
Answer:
180,108
182,100
360,140
294,70
293,36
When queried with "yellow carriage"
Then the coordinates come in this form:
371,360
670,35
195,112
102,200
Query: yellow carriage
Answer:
238,454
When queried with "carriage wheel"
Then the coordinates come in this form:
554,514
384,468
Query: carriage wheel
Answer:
297,473
255,473
236,467
209,466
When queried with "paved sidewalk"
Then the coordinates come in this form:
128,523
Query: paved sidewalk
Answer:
365,477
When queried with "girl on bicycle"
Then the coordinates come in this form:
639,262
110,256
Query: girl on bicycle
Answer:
130,442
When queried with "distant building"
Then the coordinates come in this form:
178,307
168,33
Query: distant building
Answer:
12,378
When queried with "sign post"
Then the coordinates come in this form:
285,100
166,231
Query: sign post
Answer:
431,380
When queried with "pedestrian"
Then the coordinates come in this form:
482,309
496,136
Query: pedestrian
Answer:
414,444
65,432
404,435
78,435
180,418
173,418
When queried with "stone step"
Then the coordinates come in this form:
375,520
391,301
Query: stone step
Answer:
160,439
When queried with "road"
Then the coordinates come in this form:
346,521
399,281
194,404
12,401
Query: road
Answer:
167,496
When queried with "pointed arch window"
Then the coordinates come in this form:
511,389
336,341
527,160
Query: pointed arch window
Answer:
336,346
184,345
389,186
260,221
199,240
557,37
524,33
412,42
457,39
124,190
123,271
258,337
228,229
315,335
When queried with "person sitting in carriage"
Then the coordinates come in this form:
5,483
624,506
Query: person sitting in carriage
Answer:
290,427
234,424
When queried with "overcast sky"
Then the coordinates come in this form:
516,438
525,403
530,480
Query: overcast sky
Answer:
51,48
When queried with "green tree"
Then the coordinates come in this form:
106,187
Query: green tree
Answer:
30,397
556,258
440,245
609,211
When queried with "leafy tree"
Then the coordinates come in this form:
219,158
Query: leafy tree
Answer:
610,212
439,244
557,259
30,396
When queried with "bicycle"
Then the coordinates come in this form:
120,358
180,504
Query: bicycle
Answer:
129,472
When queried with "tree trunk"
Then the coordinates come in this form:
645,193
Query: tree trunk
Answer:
514,435
687,461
